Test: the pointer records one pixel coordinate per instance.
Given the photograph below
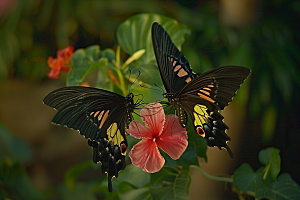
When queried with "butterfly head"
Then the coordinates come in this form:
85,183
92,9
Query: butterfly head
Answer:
169,95
129,97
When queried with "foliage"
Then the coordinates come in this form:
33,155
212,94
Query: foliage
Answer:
15,183
172,181
265,182
264,47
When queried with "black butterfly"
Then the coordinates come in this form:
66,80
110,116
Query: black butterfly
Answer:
202,96
101,117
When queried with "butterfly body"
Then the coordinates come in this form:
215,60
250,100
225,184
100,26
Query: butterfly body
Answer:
100,116
201,96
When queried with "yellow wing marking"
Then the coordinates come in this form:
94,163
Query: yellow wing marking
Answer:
115,137
201,117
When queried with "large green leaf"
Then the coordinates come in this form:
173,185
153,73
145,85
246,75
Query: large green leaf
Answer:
176,184
132,175
83,62
132,193
270,156
284,188
135,34
248,180
15,182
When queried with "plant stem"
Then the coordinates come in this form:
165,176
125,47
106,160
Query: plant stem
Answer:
214,178
118,70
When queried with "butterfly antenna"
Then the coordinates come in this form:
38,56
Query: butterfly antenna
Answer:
149,88
128,79
161,89
134,81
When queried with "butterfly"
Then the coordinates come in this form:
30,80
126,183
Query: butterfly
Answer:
202,96
100,116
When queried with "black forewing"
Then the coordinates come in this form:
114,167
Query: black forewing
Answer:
173,66
83,108
218,85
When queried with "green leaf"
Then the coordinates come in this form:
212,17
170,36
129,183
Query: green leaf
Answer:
177,189
166,174
83,62
284,188
80,191
93,51
16,182
13,147
131,193
148,94
109,54
131,174
103,80
248,180
135,34
149,75
73,172
270,156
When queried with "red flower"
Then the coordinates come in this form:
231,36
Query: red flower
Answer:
112,76
61,63
164,132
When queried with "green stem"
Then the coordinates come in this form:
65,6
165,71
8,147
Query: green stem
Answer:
118,70
214,178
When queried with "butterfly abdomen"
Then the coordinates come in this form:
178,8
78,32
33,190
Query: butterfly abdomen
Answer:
179,110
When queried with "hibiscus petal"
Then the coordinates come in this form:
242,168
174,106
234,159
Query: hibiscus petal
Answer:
138,130
146,156
153,116
173,139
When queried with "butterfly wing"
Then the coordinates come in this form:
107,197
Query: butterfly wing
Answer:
218,85
205,95
174,68
100,116
207,121
201,96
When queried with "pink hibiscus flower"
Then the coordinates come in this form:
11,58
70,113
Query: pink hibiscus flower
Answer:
162,131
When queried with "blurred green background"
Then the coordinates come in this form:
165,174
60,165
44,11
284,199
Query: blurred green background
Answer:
260,35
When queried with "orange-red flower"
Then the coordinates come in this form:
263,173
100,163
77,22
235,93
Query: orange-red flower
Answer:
61,63
162,131
112,76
